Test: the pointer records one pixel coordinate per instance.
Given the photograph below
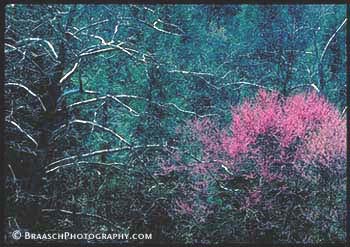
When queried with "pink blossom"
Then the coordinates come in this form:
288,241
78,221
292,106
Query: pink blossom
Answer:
306,121
271,140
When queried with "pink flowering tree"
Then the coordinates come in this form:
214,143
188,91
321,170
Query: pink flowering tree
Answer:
278,170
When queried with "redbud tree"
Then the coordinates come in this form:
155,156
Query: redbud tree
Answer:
277,172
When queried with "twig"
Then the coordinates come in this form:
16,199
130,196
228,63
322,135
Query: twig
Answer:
201,74
90,25
41,40
103,128
82,214
246,83
307,85
86,163
69,73
191,73
75,90
125,105
24,132
99,152
114,97
15,182
154,26
343,113
330,40
95,115
29,91
84,54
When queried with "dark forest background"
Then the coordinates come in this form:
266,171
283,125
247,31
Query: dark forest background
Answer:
94,95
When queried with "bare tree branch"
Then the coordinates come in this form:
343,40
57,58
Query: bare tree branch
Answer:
29,91
52,49
154,26
191,73
113,97
73,91
201,74
330,40
114,165
103,151
343,113
82,214
84,54
23,131
69,73
320,64
246,83
125,105
307,85
122,139
88,26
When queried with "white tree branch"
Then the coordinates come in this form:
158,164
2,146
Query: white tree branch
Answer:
69,73
24,132
114,165
330,40
29,91
99,152
122,139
